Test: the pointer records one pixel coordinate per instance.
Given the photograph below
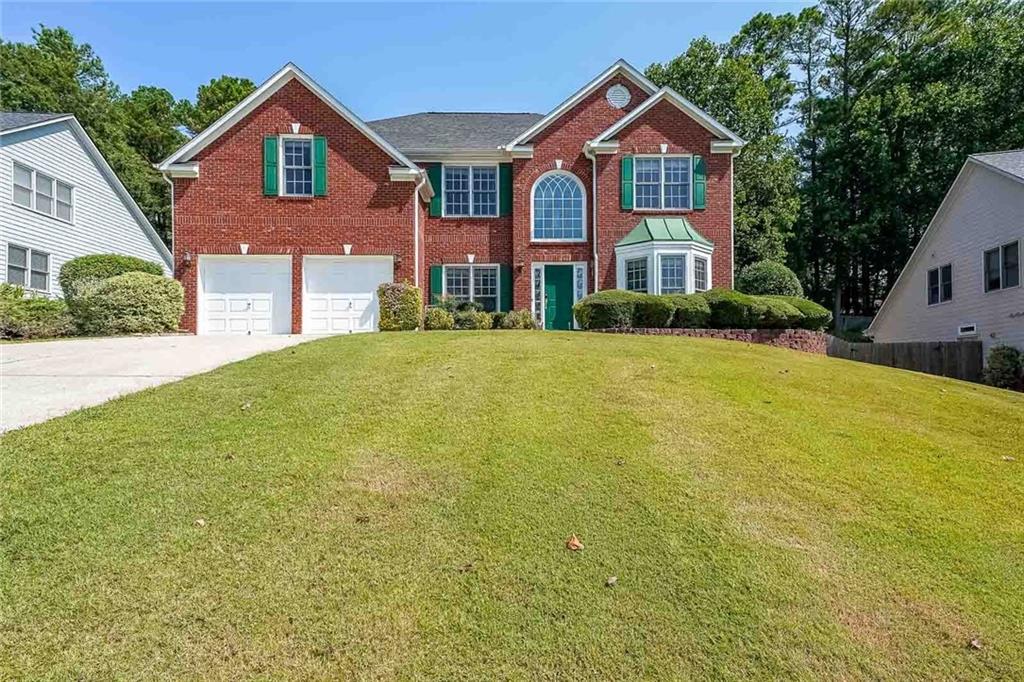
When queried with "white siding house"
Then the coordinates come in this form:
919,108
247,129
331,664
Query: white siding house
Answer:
964,279
59,199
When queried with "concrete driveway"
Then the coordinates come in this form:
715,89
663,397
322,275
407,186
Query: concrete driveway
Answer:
39,381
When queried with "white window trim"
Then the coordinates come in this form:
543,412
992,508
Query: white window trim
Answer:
472,281
661,183
626,262
29,251
927,287
56,180
281,191
471,167
686,275
538,267
969,329
984,276
707,272
653,251
583,223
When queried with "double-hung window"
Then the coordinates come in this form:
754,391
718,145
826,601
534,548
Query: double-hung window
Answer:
673,274
663,182
940,284
477,283
700,274
298,167
1002,267
470,191
42,193
636,275
28,268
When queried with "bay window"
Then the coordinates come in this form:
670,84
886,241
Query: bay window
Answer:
673,274
636,275
700,274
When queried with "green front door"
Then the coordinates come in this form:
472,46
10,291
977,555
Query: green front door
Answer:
558,297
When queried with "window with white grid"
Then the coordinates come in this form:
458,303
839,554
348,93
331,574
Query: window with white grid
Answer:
457,282
298,167
700,274
648,183
662,182
558,208
636,275
470,191
673,274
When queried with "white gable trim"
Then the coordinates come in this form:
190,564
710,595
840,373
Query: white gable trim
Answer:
112,180
260,95
621,67
684,105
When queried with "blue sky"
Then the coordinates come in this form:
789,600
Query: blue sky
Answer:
386,59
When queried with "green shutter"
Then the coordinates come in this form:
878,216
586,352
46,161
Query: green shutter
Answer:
505,189
436,275
270,165
700,181
434,175
626,196
505,275
319,166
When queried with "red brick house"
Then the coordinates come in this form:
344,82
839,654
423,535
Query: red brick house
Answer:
290,210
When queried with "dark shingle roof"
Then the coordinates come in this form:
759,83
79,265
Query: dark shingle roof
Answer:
1011,162
16,119
453,130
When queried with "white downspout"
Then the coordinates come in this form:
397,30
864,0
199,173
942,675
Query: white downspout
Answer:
170,182
416,227
589,153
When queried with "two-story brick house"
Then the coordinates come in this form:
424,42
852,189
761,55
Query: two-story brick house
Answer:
290,210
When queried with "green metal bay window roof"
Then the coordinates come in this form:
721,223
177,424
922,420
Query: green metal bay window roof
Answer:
663,230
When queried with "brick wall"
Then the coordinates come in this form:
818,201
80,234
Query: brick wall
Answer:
225,206
794,339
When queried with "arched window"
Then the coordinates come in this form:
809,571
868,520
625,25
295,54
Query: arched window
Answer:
558,208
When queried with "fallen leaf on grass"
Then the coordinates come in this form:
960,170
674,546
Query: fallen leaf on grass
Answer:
246,406
199,523
1007,458
573,543
612,581
975,644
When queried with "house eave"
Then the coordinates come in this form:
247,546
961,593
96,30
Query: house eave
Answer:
179,170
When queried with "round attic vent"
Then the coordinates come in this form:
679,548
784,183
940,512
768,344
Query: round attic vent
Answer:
618,96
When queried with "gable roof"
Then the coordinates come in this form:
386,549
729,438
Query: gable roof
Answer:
90,148
1006,166
443,130
677,229
1010,162
667,94
621,67
261,94
11,121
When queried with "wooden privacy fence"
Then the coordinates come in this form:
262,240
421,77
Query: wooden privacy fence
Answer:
954,359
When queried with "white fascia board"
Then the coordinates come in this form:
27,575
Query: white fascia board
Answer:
458,155
681,103
37,124
647,247
620,67
261,94
947,201
403,174
180,170
119,187
725,147
601,147
522,151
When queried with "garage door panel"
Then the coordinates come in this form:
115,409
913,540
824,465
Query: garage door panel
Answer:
341,294
245,295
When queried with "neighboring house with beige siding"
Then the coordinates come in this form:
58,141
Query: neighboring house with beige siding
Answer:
60,199
963,281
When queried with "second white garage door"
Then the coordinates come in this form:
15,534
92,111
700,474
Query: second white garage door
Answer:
340,293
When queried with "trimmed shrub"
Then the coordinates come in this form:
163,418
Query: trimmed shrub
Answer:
498,319
401,308
132,303
455,305
438,318
99,267
608,309
691,311
32,317
519,319
815,317
653,311
768,278
472,319
779,314
733,310
1005,368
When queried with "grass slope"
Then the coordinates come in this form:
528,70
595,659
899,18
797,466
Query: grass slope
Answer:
397,506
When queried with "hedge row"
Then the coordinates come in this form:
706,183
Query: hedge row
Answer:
438,318
717,309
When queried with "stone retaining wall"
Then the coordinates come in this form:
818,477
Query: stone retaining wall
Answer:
794,339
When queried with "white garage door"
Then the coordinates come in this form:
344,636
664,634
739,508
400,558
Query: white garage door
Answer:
245,295
340,294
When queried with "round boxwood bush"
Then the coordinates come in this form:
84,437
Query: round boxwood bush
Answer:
132,303
32,317
519,319
100,266
472,319
691,311
438,318
1005,368
610,309
733,310
653,312
769,278
779,314
815,317
401,306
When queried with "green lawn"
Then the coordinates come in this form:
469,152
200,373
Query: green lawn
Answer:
397,506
